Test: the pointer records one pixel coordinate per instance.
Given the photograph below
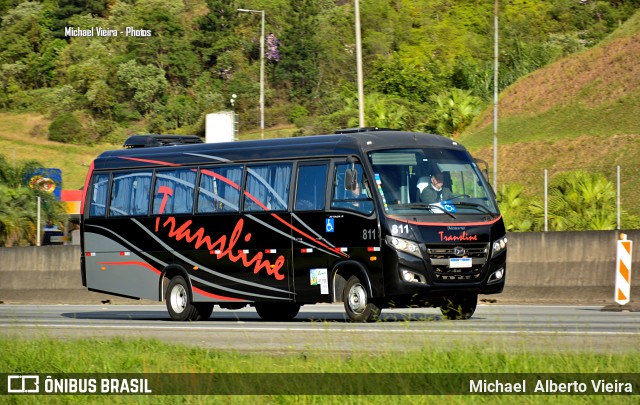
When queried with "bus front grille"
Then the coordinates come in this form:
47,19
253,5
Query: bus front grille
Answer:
440,257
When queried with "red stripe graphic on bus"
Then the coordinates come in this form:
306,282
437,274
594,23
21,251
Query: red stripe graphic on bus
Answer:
446,223
309,237
290,225
155,162
86,188
133,263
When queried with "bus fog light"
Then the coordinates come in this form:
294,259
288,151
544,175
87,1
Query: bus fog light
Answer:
412,277
496,276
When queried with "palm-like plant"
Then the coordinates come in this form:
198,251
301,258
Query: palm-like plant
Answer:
580,200
18,204
516,209
381,111
454,110
13,175
17,216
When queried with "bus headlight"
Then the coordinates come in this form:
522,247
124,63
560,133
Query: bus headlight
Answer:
404,245
499,246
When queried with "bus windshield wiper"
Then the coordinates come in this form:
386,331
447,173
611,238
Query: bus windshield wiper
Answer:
480,207
429,207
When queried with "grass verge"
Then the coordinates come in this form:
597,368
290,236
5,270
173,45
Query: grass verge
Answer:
45,355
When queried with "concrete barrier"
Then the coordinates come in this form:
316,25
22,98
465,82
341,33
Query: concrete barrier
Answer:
566,267
542,267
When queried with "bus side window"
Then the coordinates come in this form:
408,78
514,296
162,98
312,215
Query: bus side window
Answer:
130,194
174,191
358,200
311,185
267,187
99,189
219,189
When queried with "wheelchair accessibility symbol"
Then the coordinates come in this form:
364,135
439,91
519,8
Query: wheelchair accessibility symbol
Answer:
329,225
448,206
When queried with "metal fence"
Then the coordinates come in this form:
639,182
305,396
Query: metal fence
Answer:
625,178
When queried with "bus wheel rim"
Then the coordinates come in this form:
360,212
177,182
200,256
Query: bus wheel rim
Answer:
178,298
357,298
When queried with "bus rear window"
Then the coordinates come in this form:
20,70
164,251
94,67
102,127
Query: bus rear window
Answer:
99,190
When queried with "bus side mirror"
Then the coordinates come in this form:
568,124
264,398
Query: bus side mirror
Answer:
350,179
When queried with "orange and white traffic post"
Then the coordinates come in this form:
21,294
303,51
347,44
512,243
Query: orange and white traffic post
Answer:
623,270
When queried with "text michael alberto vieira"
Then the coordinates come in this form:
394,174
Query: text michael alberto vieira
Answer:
551,387
105,32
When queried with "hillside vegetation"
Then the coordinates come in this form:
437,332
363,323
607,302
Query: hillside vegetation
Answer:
427,63
569,71
580,112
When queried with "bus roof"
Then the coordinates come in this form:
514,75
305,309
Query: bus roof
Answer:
342,144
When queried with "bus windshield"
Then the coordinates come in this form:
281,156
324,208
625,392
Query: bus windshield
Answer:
431,181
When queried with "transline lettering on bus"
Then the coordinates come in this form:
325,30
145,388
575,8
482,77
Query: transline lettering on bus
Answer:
224,246
464,236
221,246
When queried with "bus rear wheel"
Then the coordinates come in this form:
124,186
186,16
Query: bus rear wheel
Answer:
179,302
357,304
277,311
459,308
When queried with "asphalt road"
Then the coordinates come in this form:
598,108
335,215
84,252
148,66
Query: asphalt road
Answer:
510,327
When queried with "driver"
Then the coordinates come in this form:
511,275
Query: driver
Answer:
435,191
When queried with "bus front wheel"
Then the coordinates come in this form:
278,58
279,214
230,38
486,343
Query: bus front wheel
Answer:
357,304
461,307
179,302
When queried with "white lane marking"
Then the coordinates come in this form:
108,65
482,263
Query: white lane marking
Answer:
341,330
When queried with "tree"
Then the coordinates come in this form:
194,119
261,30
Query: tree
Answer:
404,79
146,83
169,46
216,34
22,39
68,8
297,71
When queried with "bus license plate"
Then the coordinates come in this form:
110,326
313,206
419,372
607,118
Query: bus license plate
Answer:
459,263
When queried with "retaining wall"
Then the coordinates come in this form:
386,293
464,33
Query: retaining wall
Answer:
542,267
